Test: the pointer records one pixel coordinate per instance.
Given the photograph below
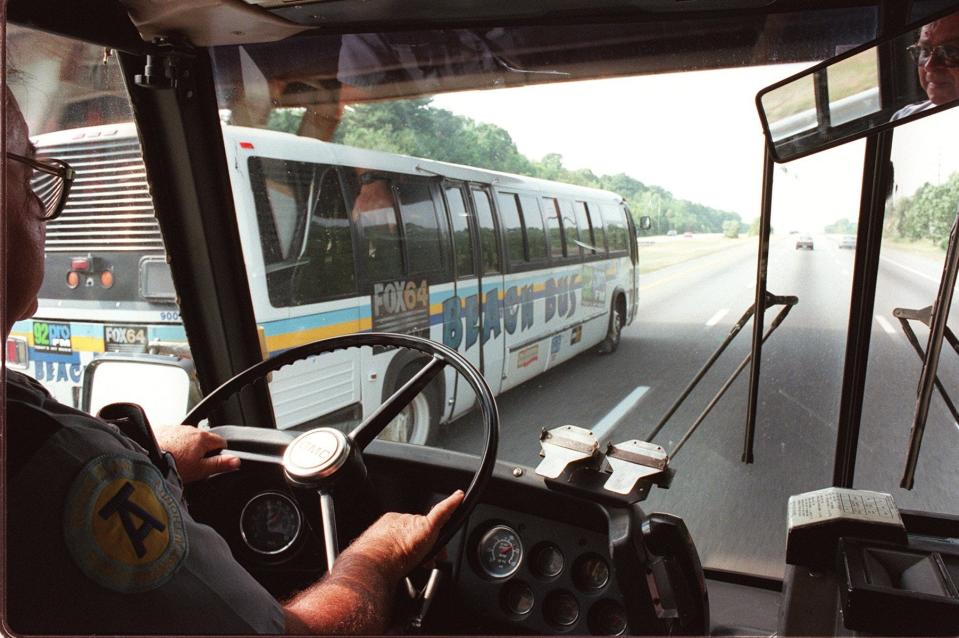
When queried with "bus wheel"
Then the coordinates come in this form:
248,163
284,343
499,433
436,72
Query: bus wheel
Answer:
614,333
415,424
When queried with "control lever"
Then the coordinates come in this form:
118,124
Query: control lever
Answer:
426,597
565,446
631,461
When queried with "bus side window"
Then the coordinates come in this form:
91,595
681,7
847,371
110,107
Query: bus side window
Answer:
557,248
422,231
327,268
487,229
535,230
571,232
374,213
586,234
599,232
615,227
462,241
512,228
278,203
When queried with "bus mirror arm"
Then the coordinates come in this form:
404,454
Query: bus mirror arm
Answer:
928,379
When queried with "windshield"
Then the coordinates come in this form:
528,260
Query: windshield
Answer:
487,189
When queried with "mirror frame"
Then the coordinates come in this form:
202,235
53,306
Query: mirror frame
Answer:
855,133
193,397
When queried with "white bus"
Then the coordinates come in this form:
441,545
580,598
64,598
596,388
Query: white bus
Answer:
519,274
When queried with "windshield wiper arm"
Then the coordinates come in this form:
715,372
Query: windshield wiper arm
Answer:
924,315
787,301
930,364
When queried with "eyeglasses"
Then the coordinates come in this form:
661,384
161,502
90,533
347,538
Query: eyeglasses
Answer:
51,181
947,54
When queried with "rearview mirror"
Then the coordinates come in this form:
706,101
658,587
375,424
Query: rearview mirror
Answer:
164,386
870,88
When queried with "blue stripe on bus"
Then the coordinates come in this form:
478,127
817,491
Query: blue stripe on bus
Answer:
167,332
36,355
307,322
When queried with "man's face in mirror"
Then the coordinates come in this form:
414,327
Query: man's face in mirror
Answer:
940,82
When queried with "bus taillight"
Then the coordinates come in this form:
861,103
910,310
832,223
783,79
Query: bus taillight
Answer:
17,352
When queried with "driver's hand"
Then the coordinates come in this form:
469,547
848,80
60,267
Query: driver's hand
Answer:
189,447
400,542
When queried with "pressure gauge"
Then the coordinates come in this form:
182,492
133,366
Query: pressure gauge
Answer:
499,552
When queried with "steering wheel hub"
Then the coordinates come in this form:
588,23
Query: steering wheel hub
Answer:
316,455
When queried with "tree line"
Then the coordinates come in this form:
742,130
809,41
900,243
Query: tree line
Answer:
418,128
928,214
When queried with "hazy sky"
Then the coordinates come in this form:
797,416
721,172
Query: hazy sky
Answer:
697,134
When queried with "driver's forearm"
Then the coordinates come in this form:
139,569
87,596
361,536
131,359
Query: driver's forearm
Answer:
356,598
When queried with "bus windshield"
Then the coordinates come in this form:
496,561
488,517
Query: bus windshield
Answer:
582,229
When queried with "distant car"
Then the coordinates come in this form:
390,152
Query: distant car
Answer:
670,233
804,241
848,241
687,234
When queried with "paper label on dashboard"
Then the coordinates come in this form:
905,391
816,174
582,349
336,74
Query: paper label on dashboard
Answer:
836,503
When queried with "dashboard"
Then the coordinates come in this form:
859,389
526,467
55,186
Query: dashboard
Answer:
528,560
538,575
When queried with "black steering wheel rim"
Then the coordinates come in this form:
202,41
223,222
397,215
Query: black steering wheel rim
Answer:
484,397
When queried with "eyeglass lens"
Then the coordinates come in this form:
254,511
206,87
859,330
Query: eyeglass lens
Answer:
48,188
947,54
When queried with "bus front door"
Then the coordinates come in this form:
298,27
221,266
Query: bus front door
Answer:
473,322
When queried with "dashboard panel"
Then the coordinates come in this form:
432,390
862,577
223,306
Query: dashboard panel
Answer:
560,578
529,560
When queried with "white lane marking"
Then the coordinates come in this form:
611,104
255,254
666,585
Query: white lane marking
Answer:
604,428
886,326
716,317
912,270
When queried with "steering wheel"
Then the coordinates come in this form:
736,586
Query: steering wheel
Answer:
317,458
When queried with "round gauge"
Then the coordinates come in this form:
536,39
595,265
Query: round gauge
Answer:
607,618
547,561
270,523
499,552
561,609
590,572
517,598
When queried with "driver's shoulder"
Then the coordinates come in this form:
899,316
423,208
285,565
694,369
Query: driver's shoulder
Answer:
41,430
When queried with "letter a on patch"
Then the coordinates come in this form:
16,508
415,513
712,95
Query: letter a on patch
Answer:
123,526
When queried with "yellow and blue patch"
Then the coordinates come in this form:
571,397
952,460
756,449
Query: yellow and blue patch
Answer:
123,526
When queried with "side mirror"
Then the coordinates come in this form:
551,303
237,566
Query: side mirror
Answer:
870,88
645,222
164,386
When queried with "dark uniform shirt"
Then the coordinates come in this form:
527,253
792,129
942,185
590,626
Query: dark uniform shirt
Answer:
98,541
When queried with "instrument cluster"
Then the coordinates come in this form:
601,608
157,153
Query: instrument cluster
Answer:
543,576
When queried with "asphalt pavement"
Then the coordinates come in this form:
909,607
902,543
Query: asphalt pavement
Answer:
737,512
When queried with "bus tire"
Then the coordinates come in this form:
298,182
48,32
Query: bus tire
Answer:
419,421
614,333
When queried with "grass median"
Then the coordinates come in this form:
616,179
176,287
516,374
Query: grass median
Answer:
658,252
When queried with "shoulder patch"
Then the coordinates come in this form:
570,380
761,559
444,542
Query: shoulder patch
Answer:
123,526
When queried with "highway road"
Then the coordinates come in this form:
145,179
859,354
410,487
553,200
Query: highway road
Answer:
737,512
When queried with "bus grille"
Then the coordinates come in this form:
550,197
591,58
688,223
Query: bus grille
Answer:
109,208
